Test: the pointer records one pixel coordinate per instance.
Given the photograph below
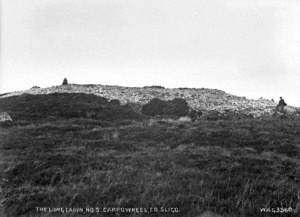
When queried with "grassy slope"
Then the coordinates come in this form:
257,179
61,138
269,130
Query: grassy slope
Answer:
231,167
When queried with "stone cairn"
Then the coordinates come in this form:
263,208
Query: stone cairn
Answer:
65,81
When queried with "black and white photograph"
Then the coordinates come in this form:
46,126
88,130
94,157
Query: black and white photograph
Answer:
149,108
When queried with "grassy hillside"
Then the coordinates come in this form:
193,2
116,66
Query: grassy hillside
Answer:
66,158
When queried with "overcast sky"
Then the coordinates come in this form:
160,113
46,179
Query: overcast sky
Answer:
245,47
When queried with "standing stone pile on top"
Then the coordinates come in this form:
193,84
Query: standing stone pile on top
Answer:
65,81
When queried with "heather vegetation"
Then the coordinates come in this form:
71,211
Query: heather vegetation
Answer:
174,108
78,150
65,105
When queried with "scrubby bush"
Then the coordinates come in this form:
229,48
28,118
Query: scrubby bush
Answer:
135,107
176,107
154,107
115,102
195,114
212,115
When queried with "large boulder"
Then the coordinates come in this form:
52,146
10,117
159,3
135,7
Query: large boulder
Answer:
5,118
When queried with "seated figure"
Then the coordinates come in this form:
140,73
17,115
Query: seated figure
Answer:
281,105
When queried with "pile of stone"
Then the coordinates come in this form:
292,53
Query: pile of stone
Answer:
197,98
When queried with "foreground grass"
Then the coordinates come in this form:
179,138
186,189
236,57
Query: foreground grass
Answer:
230,167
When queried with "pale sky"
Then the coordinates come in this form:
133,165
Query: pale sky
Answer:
245,47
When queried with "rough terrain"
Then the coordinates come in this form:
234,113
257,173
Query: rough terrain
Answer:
78,151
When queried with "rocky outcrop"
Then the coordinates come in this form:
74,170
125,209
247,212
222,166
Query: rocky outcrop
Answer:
197,98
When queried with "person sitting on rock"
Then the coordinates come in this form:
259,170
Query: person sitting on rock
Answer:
281,104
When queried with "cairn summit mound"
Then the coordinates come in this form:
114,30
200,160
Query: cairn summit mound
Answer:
199,99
